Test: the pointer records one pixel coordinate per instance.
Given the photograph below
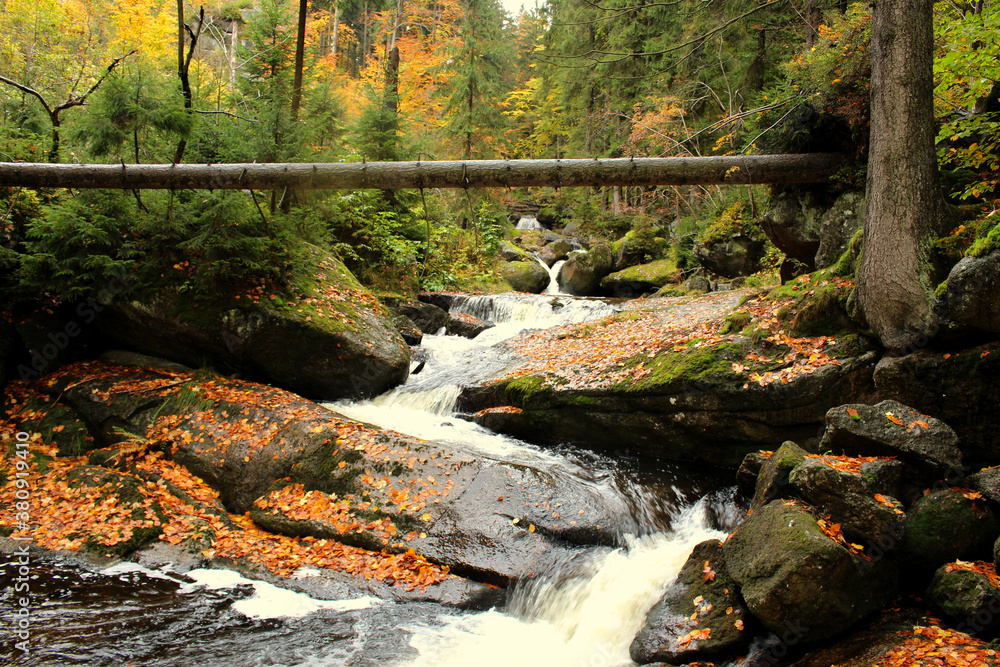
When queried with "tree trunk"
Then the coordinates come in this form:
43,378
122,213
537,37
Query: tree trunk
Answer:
300,51
905,207
54,150
732,170
336,30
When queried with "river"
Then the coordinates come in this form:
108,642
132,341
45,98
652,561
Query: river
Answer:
583,612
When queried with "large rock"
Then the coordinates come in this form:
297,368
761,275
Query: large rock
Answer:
582,273
736,256
328,339
972,295
690,408
837,226
639,279
525,276
772,482
638,246
443,300
467,326
554,251
889,428
692,604
968,598
749,471
427,317
793,222
301,469
794,577
987,482
959,388
850,500
511,253
944,526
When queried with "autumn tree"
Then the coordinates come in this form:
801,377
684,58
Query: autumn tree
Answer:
905,207
51,58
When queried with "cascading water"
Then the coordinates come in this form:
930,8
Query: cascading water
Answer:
553,287
585,611
585,619
528,222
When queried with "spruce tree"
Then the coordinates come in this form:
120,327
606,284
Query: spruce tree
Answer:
480,83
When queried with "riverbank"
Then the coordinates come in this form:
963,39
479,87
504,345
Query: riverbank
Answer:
161,464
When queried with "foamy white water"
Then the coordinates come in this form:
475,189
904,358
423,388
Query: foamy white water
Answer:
268,600
587,620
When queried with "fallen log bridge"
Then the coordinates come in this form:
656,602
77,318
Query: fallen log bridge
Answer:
717,170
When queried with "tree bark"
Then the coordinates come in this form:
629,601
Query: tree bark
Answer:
300,51
184,67
335,36
733,170
905,206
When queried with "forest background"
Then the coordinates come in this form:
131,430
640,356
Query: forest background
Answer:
151,81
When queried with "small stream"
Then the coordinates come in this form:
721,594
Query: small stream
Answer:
585,612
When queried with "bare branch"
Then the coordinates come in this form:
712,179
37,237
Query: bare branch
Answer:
79,101
25,89
225,113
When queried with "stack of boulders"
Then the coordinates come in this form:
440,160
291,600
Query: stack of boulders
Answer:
831,538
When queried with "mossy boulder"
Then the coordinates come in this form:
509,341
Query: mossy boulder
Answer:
794,577
889,428
511,253
968,599
945,525
640,279
525,276
837,226
792,222
772,482
696,602
638,246
692,407
972,294
582,273
326,337
738,255
850,500
959,388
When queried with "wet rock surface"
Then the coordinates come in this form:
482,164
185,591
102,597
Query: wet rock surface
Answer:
264,450
701,615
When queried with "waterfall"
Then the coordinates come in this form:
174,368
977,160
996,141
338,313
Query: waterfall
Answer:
586,615
554,270
587,610
425,404
528,222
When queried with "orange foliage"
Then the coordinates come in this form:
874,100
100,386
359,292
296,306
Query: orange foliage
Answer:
987,570
68,515
939,646
850,464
